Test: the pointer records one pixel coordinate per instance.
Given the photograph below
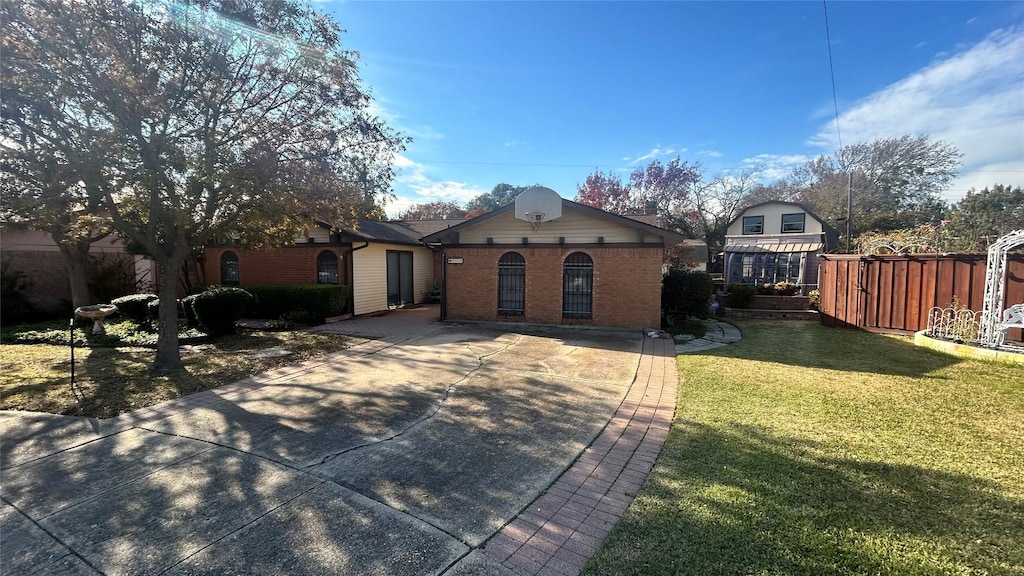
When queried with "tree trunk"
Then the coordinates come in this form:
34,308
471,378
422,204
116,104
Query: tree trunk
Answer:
76,259
168,357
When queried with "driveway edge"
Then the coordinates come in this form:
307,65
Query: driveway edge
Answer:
560,531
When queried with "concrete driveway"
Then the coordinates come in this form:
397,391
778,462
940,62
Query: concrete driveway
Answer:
435,449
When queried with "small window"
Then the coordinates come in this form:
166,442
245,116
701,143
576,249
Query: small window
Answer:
229,269
753,224
577,286
327,268
793,223
511,284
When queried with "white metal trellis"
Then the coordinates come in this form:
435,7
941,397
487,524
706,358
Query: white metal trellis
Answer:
995,285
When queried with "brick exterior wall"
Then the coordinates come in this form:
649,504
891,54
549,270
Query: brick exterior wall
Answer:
626,292
286,265
46,274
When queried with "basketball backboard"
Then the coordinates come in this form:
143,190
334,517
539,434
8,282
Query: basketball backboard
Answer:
538,204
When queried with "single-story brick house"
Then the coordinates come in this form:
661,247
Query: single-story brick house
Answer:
384,263
35,255
585,267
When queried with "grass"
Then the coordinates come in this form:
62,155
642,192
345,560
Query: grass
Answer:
693,326
110,381
808,450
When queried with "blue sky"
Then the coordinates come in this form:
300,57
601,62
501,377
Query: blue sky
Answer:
545,92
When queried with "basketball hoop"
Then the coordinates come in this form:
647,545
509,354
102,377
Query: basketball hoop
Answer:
534,218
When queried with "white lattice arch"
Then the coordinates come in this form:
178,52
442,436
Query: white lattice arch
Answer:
995,285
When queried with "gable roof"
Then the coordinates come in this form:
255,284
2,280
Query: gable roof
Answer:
670,236
831,235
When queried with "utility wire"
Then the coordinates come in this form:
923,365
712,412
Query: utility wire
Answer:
832,73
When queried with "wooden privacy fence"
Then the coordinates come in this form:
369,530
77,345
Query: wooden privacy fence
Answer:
894,293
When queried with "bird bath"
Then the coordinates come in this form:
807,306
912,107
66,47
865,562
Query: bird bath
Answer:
96,313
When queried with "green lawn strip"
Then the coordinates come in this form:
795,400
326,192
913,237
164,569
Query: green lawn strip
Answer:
809,450
36,377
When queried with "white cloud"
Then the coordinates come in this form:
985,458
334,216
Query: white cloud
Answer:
973,100
379,107
771,167
1010,173
414,186
710,153
655,153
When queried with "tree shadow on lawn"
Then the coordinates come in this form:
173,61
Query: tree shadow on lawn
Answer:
735,499
118,380
802,343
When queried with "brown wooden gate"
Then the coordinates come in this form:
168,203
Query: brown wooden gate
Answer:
894,293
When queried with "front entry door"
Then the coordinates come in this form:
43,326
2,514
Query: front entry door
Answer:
399,278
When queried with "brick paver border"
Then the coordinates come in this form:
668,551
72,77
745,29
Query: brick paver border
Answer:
561,529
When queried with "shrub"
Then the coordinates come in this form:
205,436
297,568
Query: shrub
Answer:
14,303
119,333
306,303
217,309
740,295
687,293
111,276
814,299
765,289
186,307
153,310
135,306
786,289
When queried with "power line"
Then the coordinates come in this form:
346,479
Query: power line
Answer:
832,73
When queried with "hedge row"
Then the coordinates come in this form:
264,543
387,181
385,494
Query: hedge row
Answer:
307,303
686,293
135,306
216,309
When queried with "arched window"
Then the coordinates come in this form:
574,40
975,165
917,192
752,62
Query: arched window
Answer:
577,286
327,268
511,284
229,269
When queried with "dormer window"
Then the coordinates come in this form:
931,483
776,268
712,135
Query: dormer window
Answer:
753,224
793,223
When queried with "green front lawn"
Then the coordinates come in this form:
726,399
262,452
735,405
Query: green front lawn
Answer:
809,450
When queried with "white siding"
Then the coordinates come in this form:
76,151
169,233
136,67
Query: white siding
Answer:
370,275
773,222
422,273
319,234
576,227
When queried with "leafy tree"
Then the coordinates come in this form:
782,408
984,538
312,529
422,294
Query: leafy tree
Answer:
664,187
47,176
896,182
433,211
980,218
501,195
203,120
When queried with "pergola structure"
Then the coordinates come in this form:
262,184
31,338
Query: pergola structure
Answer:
995,285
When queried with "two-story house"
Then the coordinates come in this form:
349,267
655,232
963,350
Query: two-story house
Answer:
776,242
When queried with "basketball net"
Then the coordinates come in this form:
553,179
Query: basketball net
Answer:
534,218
